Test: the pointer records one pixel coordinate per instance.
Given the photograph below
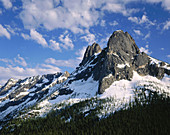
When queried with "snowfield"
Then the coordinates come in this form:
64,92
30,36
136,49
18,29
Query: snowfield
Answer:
122,92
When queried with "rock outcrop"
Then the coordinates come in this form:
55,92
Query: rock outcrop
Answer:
90,51
118,61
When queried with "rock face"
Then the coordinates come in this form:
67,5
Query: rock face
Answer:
97,72
118,61
90,51
17,94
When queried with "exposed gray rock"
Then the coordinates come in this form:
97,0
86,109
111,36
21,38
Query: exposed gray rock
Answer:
90,51
117,61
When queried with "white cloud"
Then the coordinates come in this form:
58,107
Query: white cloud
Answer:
25,36
114,23
147,36
116,7
66,41
162,49
89,38
168,56
103,23
71,15
138,32
166,25
4,32
38,38
145,50
17,72
20,60
54,45
6,60
142,20
17,60
7,3
13,30
63,63
80,53
73,63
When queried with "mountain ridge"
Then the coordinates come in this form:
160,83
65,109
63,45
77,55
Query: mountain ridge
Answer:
117,70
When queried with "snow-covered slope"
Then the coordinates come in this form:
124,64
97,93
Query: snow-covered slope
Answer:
16,95
119,71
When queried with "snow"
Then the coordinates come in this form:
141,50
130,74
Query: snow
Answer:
2,103
155,61
32,90
62,78
45,80
84,88
11,108
22,94
31,94
9,91
125,89
39,85
123,65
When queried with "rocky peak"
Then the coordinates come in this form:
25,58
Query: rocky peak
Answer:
9,83
66,74
118,61
90,51
122,44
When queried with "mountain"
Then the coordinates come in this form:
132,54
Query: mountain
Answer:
120,71
15,95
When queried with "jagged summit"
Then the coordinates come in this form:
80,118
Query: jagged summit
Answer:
115,70
123,45
90,51
118,61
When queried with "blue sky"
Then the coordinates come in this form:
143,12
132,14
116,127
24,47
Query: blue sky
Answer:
48,36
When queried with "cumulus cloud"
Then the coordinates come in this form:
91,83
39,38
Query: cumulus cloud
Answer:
18,68
4,32
114,23
66,41
63,63
17,72
89,38
13,30
54,45
166,25
38,38
6,60
145,50
17,60
34,35
138,32
80,53
20,60
75,16
72,63
142,20
25,36
6,3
